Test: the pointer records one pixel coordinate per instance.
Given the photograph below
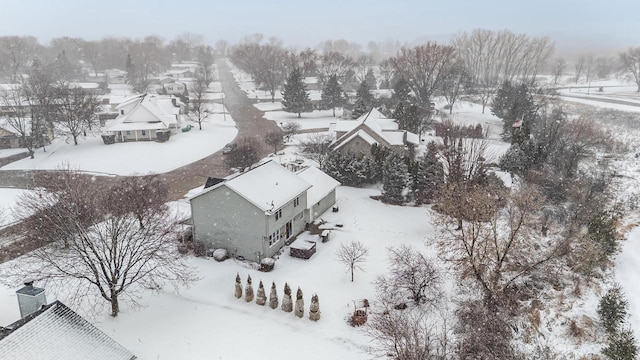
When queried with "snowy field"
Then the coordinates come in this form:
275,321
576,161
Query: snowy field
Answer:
170,325
136,157
246,84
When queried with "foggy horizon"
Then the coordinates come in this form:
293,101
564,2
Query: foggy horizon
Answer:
573,26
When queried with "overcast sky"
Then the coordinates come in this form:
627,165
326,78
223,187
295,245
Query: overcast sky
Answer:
596,23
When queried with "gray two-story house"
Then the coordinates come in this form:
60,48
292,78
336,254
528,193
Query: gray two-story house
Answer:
252,214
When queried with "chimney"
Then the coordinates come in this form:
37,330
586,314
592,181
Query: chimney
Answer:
30,299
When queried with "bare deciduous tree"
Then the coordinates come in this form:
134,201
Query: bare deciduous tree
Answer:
245,154
316,147
97,246
352,255
424,67
274,138
411,276
410,335
630,61
75,111
498,248
197,101
334,63
17,117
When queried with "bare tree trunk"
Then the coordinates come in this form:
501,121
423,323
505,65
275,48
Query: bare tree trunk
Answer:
115,306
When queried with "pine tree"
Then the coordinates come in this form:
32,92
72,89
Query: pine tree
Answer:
132,73
287,303
261,297
314,308
364,101
401,91
238,292
295,98
428,176
332,95
273,296
248,290
409,117
621,346
511,104
370,79
612,309
299,304
394,178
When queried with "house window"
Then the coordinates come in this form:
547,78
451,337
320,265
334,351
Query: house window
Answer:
128,132
144,132
296,201
121,112
274,238
278,214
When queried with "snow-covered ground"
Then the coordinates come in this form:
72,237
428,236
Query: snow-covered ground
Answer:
317,119
136,157
8,198
205,321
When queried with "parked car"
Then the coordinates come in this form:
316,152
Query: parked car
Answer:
228,148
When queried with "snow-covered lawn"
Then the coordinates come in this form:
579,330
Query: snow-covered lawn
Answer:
318,119
135,157
10,152
8,199
205,321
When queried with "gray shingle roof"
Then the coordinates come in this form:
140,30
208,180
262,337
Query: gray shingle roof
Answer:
57,332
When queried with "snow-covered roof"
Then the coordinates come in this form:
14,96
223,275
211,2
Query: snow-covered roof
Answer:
321,184
361,134
302,244
268,186
85,85
145,112
57,332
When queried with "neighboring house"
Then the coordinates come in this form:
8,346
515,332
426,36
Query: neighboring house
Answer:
116,76
55,332
322,194
181,73
9,139
253,214
93,88
176,88
145,116
357,136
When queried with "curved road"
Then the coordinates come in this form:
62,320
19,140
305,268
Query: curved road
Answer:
249,122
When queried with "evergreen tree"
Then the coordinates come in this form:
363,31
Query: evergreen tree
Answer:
248,290
401,91
513,103
238,292
621,346
364,101
273,296
287,303
409,117
370,79
332,95
261,297
295,98
132,73
428,176
299,304
314,308
395,178
612,309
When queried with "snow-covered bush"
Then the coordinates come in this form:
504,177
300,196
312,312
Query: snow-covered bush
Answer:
267,264
220,255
